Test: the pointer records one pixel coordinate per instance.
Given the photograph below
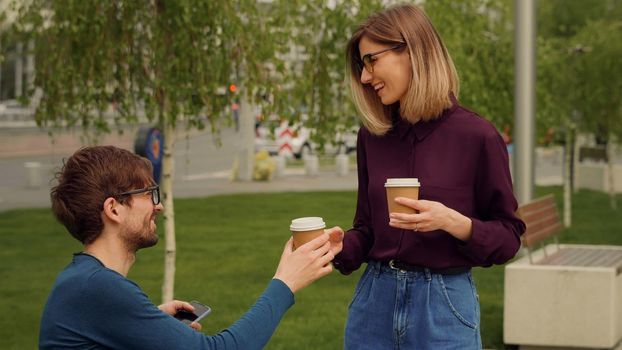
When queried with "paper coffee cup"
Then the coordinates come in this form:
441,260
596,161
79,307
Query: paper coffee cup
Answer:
401,187
306,229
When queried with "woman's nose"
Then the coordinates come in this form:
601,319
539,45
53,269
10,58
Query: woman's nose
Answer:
365,76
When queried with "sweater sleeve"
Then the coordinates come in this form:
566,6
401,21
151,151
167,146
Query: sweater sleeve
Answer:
359,239
117,314
497,230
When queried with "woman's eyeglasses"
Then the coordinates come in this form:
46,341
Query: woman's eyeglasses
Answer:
367,60
155,193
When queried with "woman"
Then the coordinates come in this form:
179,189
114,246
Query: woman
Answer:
417,291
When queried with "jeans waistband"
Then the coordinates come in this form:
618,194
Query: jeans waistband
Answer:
401,266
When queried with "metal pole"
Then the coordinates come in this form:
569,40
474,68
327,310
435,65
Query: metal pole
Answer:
19,69
524,99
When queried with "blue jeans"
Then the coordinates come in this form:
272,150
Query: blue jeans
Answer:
395,309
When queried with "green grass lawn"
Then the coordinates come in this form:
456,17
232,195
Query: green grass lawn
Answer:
228,248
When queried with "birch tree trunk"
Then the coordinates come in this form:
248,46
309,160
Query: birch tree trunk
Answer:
170,249
611,178
577,141
567,177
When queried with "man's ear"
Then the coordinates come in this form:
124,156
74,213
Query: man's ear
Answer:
112,210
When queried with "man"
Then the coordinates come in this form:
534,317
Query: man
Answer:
107,200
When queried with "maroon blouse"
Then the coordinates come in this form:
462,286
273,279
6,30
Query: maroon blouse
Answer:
462,162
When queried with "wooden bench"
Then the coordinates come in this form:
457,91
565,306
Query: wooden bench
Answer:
561,295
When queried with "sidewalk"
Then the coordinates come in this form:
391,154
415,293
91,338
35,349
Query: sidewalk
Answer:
211,184
202,169
294,181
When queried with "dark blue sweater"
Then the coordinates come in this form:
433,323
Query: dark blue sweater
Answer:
93,307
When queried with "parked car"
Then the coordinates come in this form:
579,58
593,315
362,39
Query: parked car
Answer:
295,140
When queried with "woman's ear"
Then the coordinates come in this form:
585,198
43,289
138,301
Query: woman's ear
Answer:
111,210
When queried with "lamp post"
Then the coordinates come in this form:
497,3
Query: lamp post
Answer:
524,99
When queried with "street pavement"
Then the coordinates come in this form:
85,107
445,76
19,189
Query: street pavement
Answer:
203,166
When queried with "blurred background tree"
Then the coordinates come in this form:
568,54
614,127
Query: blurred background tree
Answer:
479,36
121,62
105,64
311,38
578,60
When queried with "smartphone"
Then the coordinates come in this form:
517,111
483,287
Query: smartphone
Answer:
200,311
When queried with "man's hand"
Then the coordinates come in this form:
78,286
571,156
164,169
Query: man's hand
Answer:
299,268
172,307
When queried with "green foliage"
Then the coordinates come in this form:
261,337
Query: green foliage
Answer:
166,59
578,57
600,61
313,86
171,59
226,262
479,37
565,18
552,109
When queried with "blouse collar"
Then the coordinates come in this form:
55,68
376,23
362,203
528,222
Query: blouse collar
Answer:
403,127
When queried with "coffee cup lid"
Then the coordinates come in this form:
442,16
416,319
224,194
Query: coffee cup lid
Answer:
307,224
402,182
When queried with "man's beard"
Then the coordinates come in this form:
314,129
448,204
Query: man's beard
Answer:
144,237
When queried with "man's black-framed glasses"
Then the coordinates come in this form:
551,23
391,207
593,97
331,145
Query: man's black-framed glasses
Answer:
367,60
155,193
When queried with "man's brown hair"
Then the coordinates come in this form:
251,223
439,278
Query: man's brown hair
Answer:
87,179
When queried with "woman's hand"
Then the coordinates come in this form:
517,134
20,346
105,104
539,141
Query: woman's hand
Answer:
336,235
301,267
432,216
172,307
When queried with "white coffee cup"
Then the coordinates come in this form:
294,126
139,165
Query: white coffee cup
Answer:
306,229
401,187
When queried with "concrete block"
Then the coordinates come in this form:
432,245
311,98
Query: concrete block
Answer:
562,306
312,165
342,163
33,174
595,176
280,165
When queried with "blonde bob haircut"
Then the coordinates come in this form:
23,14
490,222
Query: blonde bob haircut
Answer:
434,78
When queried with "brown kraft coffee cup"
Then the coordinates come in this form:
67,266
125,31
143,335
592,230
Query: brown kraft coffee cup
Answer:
401,187
306,229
